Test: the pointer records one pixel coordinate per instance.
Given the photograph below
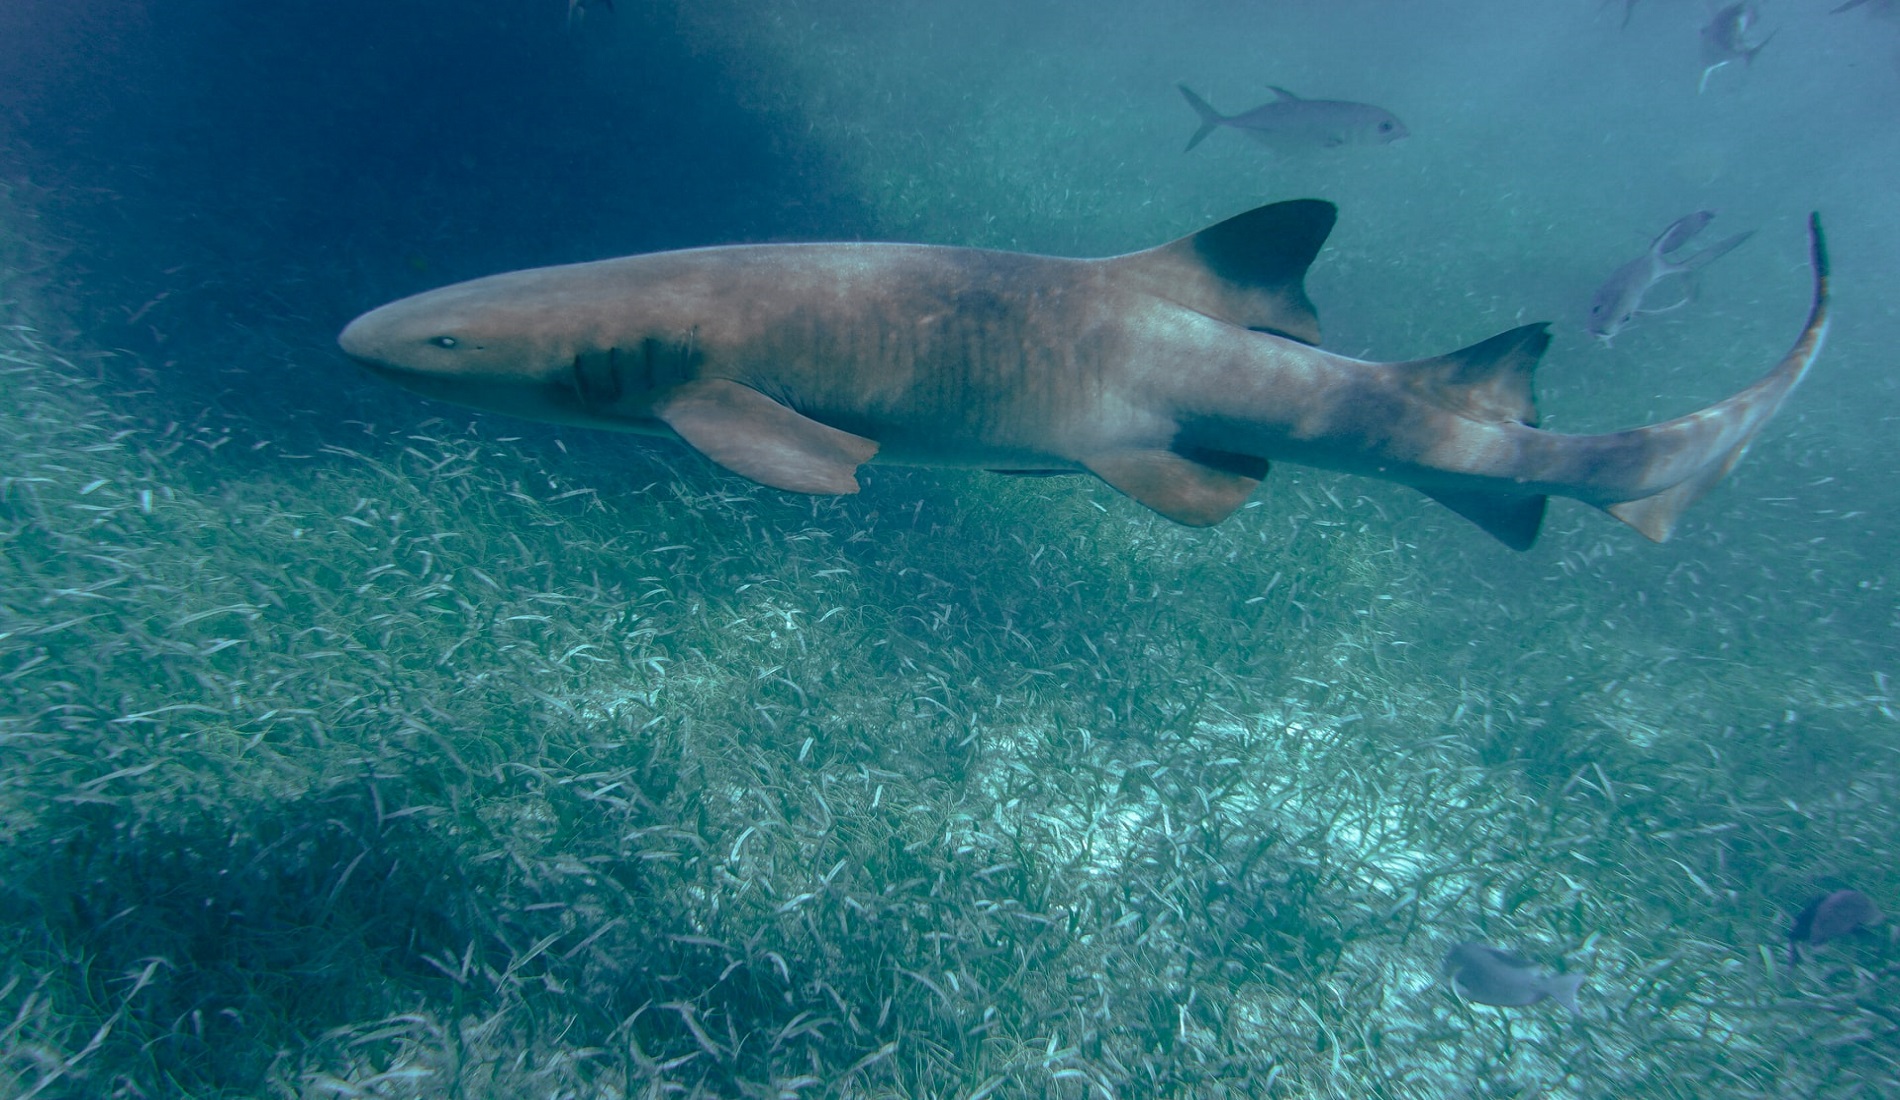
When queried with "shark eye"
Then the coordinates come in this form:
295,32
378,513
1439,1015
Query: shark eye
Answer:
444,341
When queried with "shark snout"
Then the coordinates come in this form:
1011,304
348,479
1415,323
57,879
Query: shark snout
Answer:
358,341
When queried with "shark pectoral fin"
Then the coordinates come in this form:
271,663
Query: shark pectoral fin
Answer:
754,436
1512,520
1186,490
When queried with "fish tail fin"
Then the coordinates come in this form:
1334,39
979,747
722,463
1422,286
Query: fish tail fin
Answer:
1563,989
1210,118
1684,458
1711,254
1681,231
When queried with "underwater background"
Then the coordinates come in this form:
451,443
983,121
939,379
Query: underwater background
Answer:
354,745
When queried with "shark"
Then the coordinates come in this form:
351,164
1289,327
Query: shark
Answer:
1176,374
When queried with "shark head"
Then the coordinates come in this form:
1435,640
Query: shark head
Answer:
537,344
466,342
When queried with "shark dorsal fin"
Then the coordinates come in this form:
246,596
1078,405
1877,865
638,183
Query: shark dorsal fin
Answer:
1282,93
1490,380
1249,270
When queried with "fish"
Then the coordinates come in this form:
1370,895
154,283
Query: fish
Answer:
1620,298
1725,38
577,10
1493,977
1290,122
1174,374
1829,917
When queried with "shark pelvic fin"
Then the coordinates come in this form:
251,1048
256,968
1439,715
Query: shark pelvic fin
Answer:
1249,270
1198,491
754,436
1512,520
1490,380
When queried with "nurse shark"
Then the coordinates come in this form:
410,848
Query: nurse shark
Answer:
1175,374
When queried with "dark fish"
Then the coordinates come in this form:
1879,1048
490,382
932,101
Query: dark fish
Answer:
1290,122
1727,37
1620,298
1829,917
1175,374
1492,977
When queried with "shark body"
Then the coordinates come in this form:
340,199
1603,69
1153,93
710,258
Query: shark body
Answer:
1174,374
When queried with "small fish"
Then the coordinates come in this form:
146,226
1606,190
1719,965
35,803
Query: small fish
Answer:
577,9
1830,917
1290,122
1726,38
1620,298
1492,977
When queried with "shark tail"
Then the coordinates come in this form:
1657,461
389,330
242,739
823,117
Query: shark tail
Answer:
1210,118
1695,452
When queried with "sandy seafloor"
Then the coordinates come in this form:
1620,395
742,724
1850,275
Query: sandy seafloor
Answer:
353,745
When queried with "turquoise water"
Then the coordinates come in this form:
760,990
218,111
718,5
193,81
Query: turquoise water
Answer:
356,745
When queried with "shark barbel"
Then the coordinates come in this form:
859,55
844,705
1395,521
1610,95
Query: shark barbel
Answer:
1174,374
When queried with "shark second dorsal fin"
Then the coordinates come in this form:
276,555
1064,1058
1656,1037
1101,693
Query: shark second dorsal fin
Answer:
1249,270
1490,380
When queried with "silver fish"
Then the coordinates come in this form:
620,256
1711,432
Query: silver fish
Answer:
1727,37
1290,122
1493,977
1620,298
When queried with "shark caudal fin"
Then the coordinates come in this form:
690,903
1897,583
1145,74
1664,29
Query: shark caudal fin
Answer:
1249,270
1210,118
1694,452
1491,381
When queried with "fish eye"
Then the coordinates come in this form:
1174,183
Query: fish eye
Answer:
1385,127
444,341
